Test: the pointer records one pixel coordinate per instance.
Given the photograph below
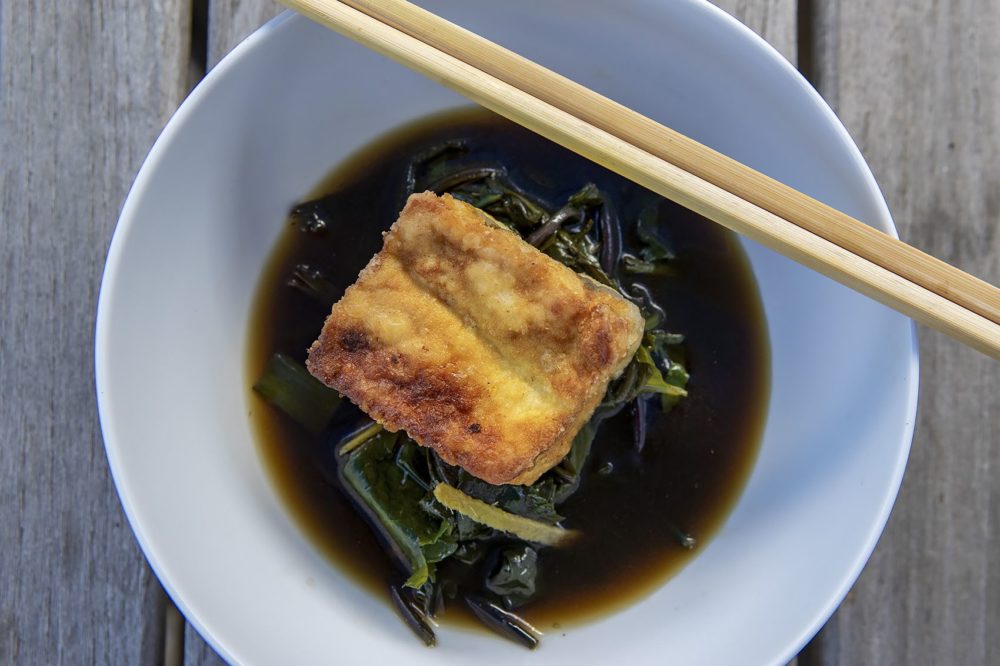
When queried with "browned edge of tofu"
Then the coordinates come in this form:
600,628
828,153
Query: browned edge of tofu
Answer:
474,342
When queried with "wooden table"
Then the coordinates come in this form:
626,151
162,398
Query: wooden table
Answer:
86,87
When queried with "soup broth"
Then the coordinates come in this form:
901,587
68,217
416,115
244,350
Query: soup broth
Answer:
638,513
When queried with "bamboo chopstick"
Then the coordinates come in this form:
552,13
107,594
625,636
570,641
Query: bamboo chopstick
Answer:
688,154
721,189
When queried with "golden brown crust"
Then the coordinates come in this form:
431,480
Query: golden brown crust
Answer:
475,343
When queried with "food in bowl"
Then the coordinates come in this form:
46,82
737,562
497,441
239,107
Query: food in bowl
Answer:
476,343
616,480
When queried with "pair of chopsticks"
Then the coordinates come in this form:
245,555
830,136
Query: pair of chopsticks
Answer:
924,288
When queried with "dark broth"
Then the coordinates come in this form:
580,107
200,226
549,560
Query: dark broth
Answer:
697,458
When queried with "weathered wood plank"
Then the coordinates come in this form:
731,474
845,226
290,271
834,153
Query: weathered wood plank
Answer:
231,21
86,86
774,20
917,85
197,652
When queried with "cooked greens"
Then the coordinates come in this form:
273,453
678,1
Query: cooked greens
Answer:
417,537
503,622
431,515
287,385
514,579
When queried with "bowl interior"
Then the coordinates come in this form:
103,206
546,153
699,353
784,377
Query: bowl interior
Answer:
256,136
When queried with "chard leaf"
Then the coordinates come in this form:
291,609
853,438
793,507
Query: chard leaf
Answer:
413,614
439,549
514,578
360,435
287,385
474,487
655,383
393,506
580,450
503,621
312,282
578,251
536,501
621,390
469,530
667,347
588,195
470,552
661,341
638,266
654,248
676,376
413,463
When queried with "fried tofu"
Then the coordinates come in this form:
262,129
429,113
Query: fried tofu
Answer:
474,342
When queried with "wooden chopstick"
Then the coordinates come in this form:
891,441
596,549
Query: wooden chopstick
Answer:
688,154
647,153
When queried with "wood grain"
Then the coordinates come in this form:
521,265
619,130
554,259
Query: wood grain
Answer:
197,652
232,21
86,87
774,20
917,85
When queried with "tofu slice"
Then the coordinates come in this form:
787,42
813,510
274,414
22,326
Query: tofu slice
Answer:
474,342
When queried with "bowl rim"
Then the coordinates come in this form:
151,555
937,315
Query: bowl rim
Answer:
204,88
887,225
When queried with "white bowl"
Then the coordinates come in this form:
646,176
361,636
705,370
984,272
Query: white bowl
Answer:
262,129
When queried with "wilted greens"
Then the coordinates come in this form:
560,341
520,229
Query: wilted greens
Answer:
432,516
287,385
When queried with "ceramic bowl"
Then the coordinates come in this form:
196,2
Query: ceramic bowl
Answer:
256,135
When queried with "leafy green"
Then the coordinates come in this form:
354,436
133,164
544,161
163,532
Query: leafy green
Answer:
413,614
470,552
578,251
637,266
514,578
503,621
580,449
654,252
667,346
654,381
413,462
588,195
654,248
360,436
394,507
312,282
287,385
624,388
515,209
469,529
432,164
537,501
310,217
661,341
429,511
